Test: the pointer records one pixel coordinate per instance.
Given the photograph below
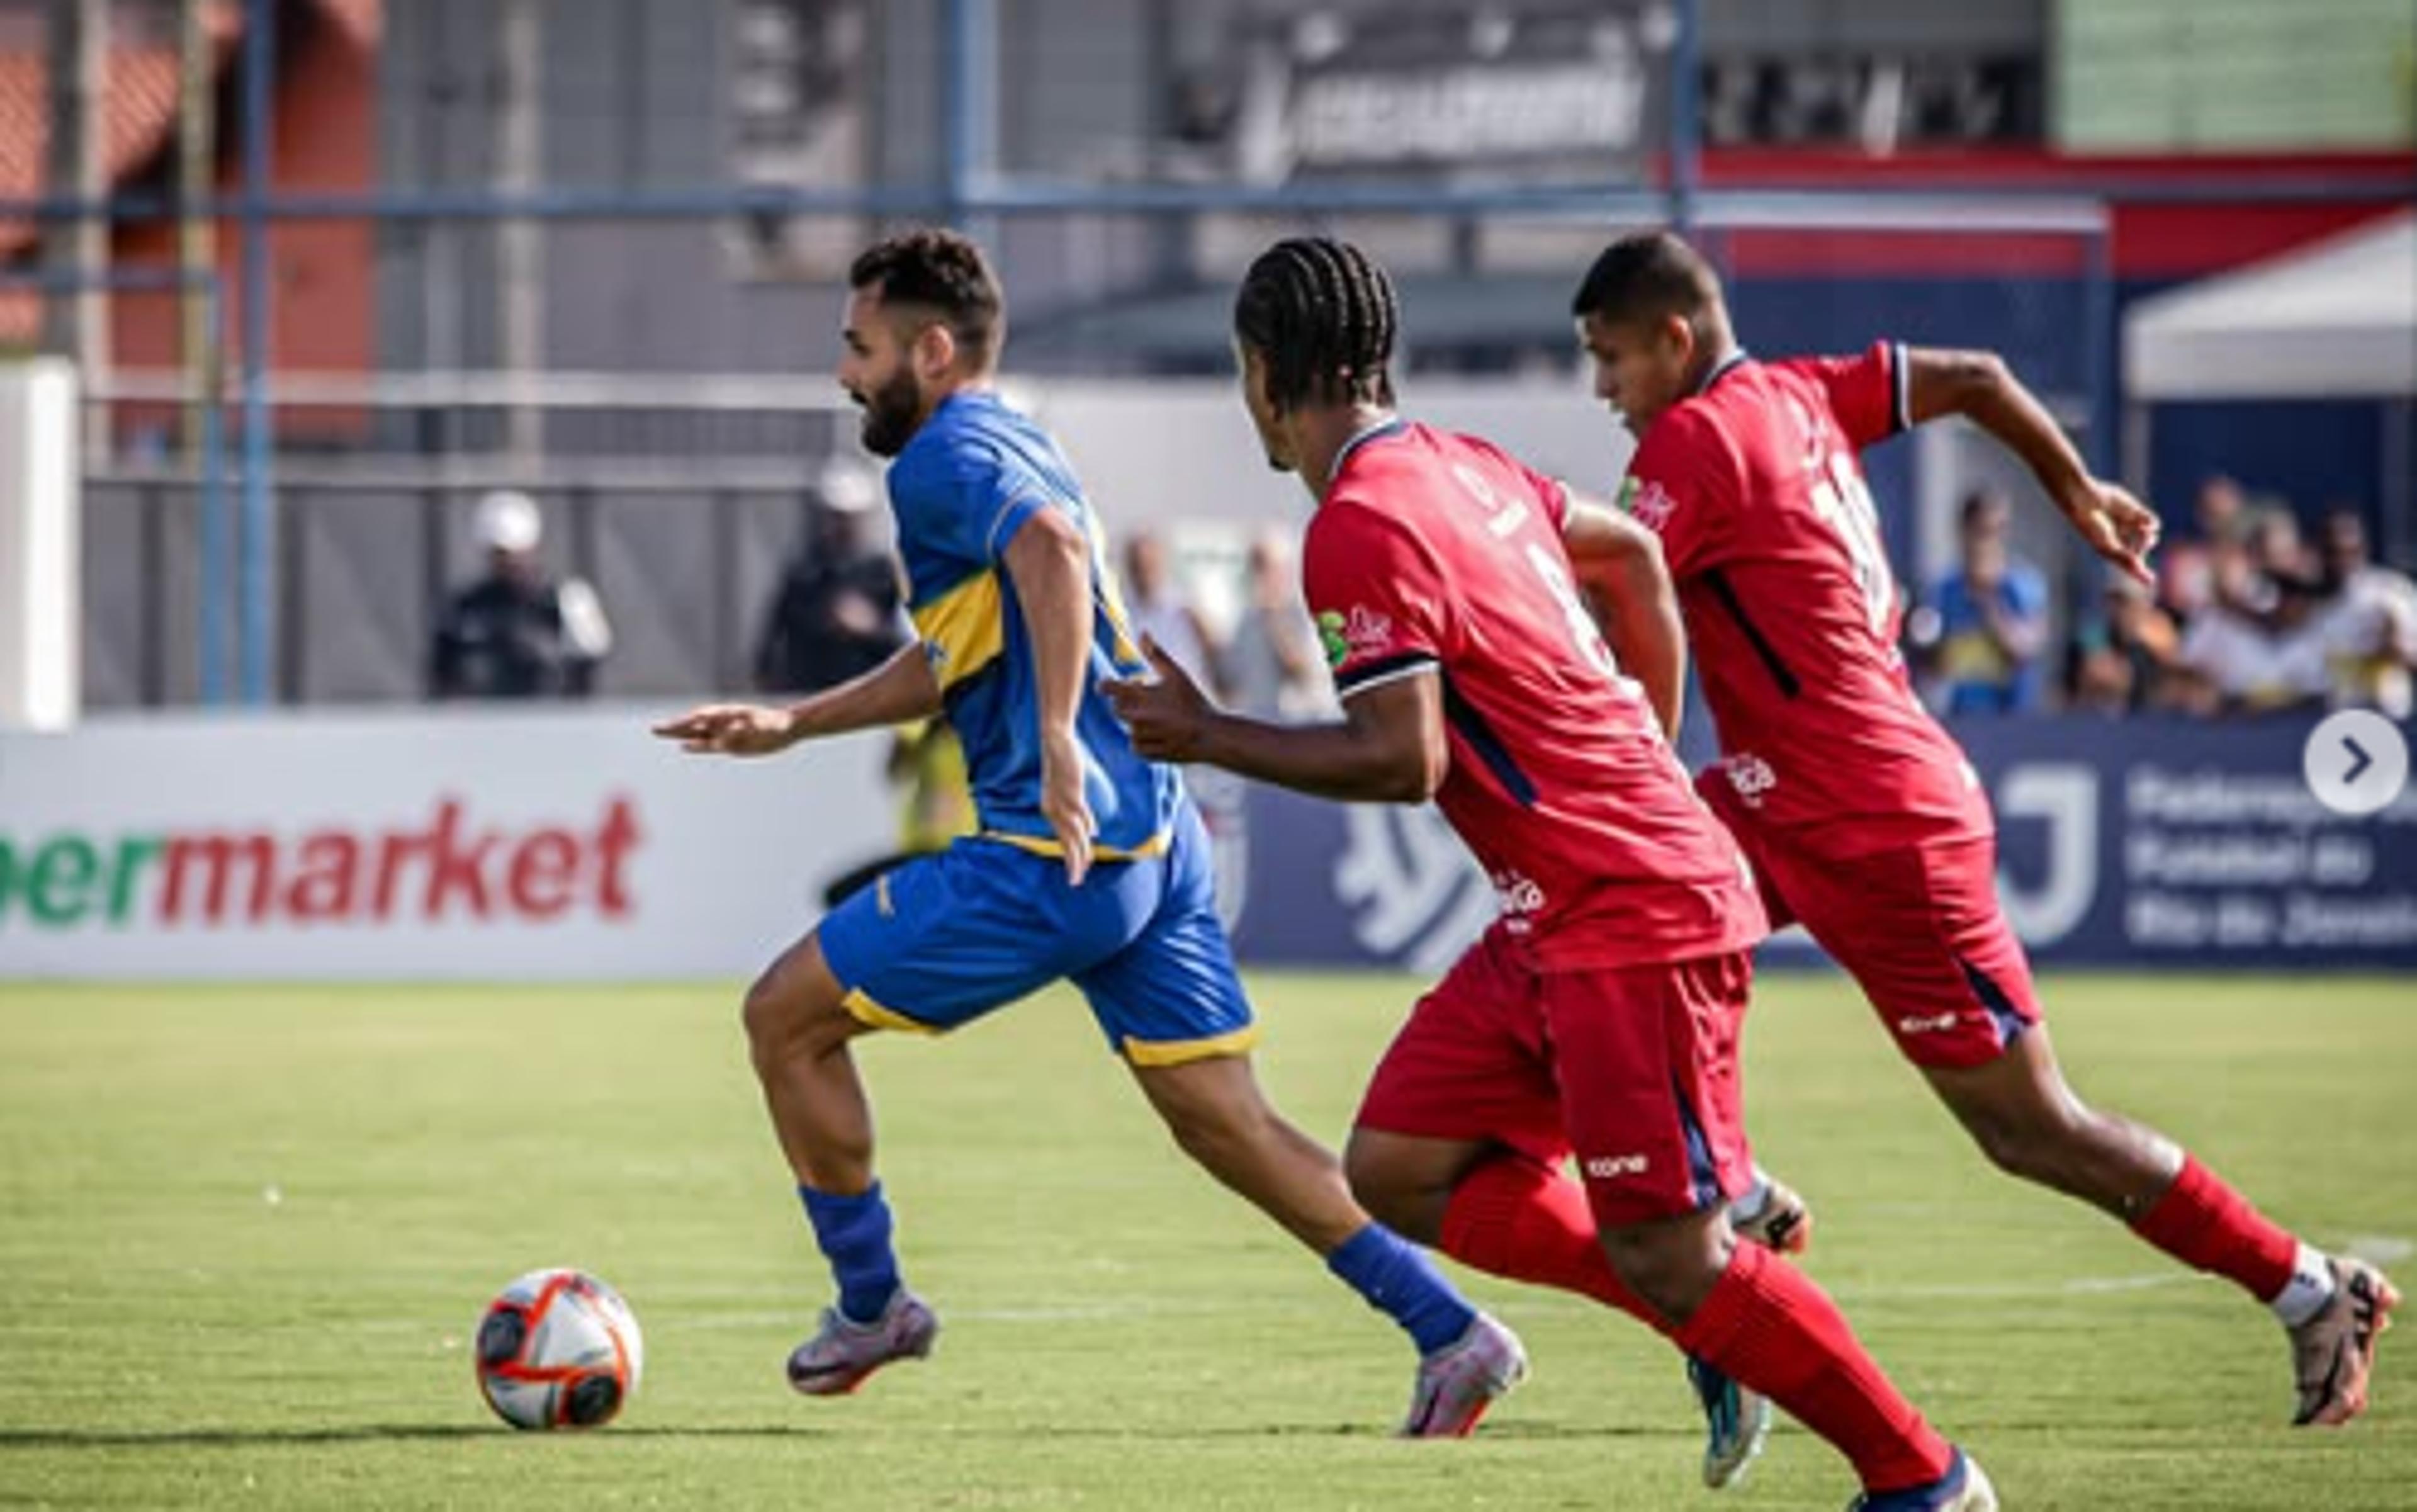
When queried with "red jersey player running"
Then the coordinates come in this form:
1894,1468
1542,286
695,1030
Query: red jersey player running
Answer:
1599,1014
1859,813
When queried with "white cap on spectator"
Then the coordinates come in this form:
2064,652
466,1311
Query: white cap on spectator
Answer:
508,520
847,487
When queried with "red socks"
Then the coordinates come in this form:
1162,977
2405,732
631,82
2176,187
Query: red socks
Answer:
1765,1324
1772,1329
2203,1223
1511,1216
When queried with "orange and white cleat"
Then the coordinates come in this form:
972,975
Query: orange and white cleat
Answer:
2333,1353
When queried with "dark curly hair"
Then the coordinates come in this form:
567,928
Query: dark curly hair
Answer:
1322,313
944,272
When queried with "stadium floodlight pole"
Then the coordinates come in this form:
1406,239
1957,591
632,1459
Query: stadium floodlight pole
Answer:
257,594
1686,116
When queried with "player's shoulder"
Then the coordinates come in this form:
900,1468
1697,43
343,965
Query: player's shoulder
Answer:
1700,434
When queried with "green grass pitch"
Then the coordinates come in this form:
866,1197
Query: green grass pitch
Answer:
245,1232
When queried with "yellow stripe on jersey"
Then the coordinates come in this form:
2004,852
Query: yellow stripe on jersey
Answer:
1127,652
966,627
1046,845
1183,1052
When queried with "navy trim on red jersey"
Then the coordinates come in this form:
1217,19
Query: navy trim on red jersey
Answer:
1737,358
1719,583
1900,389
1382,669
1479,735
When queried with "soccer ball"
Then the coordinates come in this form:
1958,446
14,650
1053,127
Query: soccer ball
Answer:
559,1349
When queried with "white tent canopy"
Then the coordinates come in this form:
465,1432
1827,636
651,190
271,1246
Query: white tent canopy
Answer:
2335,320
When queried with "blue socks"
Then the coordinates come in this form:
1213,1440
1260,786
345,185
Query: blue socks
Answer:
1399,1281
854,1233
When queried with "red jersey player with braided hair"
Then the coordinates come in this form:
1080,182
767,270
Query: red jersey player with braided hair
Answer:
1859,813
1599,1016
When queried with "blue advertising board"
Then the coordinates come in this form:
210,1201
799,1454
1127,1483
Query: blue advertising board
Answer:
2145,844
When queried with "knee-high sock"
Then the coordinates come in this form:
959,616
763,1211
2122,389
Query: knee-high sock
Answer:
1772,1330
1511,1216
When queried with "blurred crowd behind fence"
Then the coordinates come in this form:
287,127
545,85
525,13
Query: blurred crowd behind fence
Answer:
594,251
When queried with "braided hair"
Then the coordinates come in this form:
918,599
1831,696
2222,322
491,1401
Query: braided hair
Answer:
1322,313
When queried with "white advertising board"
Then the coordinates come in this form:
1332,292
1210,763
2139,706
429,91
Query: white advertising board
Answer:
426,843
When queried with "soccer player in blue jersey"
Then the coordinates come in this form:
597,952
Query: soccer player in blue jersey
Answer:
1091,865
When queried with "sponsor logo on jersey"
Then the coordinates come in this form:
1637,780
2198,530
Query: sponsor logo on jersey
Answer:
1751,776
1647,500
1361,633
1520,899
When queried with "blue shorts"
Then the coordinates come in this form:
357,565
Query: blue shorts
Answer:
944,940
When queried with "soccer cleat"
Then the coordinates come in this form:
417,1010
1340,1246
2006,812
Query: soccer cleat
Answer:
842,1352
2333,1353
1459,1381
1736,1421
1783,1223
1963,1489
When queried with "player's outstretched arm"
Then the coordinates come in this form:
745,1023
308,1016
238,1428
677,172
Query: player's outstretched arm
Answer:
1389,746
1618,562
897,691
1049,560
1980,388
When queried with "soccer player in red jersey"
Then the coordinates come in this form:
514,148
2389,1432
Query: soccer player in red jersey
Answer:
1599,1016
1861,814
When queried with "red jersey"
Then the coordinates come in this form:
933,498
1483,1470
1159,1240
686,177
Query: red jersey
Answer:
1753,486
1435,554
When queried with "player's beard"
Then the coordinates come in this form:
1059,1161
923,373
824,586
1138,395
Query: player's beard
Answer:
891,414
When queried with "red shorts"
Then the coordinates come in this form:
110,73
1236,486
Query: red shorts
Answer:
1632,1069
1917,926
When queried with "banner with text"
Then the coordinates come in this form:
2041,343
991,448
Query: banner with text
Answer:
429,844
2142,843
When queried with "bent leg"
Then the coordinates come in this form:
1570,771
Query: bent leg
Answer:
1220,1117
798,1034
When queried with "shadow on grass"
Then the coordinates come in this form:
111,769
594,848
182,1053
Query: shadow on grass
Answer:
246,1438
235,1438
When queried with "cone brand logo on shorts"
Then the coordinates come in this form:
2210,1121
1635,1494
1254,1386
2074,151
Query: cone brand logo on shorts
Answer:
1916,1024
1359,633
1612,1167
446,869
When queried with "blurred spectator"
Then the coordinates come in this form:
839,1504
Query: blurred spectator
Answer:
1158,608
2369,621
2188,569
1992,618
1271,658
836,614
2130,660
2245,659
515,632
936,802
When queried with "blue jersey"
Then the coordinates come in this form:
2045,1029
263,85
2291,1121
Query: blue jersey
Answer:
961,489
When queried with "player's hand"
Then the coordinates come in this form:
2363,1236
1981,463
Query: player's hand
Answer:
731,729
2117,526
1064,806
1166,712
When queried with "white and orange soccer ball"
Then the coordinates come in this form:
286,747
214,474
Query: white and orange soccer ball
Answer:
559,1349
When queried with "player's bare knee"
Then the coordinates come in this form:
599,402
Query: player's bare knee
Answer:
1666,1266
782,1019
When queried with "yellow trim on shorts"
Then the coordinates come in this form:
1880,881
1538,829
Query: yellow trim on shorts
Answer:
1183,1052
1156,845
861,1007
